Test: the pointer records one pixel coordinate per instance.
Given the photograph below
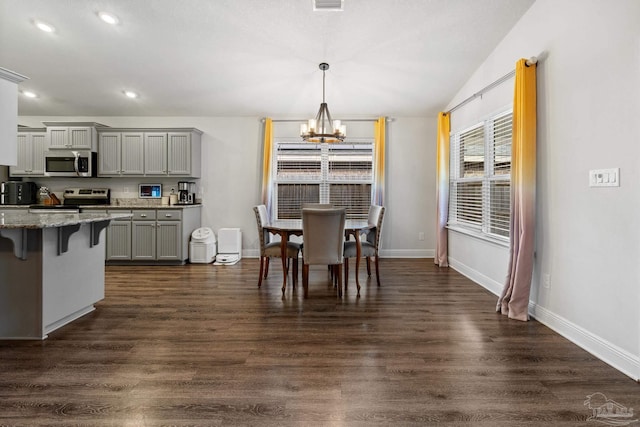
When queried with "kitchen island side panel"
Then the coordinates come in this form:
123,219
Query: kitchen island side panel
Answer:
72,281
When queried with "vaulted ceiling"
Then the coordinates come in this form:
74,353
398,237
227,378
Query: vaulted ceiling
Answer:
248,57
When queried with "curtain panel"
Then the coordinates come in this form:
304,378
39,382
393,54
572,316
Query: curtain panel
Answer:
377,198
514,300
267,176
442,189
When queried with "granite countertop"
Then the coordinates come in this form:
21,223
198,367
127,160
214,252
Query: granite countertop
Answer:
140,206
9,220
115,206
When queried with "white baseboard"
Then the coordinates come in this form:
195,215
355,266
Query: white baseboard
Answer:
622,360
484,281
407,253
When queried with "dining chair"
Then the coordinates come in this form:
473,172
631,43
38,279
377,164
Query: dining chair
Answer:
368,246
323,233
271,248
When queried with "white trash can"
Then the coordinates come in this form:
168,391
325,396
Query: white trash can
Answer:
202,248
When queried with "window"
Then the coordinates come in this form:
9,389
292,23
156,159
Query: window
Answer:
338,173
480,180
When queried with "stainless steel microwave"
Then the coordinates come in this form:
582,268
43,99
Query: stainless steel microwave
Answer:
71,163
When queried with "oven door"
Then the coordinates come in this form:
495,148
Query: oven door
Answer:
68,163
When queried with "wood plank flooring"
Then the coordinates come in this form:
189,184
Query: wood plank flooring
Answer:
202,345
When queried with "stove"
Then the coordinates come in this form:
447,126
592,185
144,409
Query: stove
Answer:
87,196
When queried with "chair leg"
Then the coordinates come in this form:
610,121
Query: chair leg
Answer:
346,273
369,266
295,272
266,266
377,271
305,279
261,271
339,274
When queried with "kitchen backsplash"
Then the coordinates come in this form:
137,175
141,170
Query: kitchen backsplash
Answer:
124,191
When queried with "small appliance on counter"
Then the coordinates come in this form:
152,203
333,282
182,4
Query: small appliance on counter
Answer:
186,192
87,196
18,193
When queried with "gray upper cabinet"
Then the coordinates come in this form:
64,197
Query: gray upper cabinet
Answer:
150,152
72,135
155,153
120,153
31,147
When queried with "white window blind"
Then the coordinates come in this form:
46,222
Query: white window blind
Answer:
338,173
480,177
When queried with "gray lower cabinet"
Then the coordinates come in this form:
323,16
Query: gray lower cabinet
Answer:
118,236
119,239
151,235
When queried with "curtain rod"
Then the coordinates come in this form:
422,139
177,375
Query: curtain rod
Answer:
490,86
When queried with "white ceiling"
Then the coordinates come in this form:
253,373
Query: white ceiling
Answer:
248,57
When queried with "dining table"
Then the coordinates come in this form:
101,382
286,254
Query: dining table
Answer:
286,228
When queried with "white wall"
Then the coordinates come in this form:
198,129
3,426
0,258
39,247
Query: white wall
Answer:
588,109
232,174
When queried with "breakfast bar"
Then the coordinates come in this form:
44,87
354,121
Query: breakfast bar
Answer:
51,270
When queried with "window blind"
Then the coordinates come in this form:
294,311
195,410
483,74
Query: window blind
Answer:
480,176
338,173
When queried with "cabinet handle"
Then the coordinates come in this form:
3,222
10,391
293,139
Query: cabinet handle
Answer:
143,215
167,215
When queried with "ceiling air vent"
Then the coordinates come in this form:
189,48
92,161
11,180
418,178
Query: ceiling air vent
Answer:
330,5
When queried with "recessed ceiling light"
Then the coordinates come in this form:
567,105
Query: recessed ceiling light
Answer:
109,18
29,94
47,28
130,94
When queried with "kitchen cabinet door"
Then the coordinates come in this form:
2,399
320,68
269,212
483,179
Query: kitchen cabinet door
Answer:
169,239
109,147
132,153
119,241
31,147
143,240
179,153
155,153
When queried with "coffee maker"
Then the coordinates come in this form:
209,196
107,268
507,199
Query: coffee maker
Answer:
186,192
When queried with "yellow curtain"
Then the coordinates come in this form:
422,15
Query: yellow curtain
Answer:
514,300
442,189
267,186
379,143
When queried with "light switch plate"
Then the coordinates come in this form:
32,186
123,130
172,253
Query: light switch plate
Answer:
604,177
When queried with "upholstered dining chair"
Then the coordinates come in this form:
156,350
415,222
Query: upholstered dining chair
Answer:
271,249
368,246
323,233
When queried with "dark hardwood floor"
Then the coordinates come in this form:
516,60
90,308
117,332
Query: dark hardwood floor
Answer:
202,345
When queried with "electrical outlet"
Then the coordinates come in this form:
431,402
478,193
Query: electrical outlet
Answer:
546,281
421,235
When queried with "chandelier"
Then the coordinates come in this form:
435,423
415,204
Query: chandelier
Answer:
323,128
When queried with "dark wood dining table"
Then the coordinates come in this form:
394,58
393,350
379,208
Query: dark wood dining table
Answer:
286,228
